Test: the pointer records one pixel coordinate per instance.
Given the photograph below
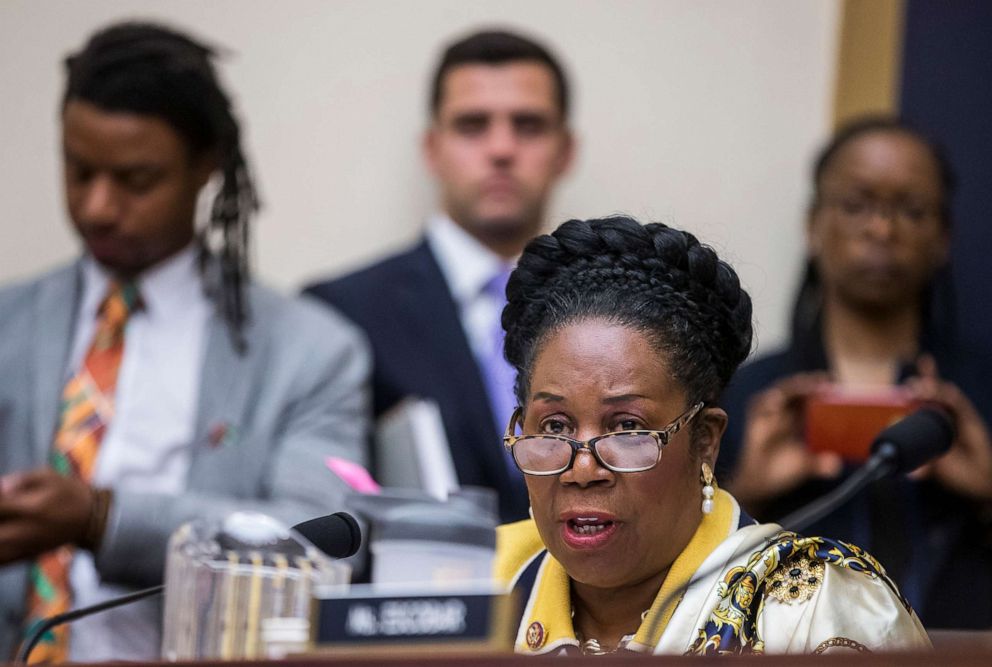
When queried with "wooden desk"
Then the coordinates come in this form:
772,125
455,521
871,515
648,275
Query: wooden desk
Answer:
972,650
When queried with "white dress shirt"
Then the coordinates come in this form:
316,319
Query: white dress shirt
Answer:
147,443
468,266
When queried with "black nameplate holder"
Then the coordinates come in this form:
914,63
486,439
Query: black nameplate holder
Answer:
389,615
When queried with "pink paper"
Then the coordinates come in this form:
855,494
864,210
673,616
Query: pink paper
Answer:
354,475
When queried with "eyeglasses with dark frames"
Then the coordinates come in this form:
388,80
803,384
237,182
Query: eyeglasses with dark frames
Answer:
857,210
619,451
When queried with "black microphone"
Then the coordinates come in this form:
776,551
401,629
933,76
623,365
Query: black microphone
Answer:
902,447
915,439
336,535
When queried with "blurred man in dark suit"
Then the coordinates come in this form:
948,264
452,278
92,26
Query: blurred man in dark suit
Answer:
497,144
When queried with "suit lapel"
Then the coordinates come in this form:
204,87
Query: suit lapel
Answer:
432,315
225,385
54,323
433,312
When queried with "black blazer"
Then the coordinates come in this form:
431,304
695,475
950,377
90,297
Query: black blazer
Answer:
419,348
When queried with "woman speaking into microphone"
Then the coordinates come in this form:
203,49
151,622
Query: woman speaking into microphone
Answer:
623,337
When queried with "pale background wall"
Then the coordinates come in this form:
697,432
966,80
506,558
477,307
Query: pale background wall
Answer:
701,114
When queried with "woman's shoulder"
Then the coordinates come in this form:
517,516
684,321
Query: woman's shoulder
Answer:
761,372
811,595
517,545
835,596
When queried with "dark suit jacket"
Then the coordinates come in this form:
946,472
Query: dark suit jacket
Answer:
420,348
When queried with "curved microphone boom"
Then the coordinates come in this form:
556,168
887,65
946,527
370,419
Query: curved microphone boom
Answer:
900,448
336,535
903,447
43,626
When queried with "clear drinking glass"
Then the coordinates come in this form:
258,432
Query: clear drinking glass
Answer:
226,581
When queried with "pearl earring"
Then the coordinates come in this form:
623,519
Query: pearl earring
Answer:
708,492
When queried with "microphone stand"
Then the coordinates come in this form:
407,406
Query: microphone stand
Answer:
878,466
54,621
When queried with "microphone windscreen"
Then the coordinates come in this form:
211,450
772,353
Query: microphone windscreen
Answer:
918,437
337,535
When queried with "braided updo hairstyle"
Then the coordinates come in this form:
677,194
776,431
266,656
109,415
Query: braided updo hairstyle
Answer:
654,279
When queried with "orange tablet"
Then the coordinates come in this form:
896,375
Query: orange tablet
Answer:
847,422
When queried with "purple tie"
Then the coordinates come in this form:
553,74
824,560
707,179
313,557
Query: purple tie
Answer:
497,373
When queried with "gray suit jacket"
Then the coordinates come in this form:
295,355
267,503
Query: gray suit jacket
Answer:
298,394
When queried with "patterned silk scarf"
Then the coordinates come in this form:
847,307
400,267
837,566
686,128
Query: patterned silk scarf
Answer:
86,410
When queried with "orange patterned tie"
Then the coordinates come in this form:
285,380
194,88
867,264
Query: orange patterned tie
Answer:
87,408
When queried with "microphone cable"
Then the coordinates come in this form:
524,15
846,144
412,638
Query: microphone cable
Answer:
47,624
336,535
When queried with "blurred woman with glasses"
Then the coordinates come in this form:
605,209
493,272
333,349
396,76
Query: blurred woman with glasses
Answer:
873,326
623,337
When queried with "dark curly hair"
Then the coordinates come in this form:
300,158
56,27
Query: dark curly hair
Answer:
149,69
652,278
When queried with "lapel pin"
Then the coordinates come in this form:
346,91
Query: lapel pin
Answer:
535,635
221,434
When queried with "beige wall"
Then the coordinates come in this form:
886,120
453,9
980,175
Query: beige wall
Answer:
700,114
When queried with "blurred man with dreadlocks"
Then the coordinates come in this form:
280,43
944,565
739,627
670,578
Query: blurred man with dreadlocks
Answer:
152,381
497,143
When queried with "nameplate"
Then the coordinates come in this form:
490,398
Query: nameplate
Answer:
377,615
